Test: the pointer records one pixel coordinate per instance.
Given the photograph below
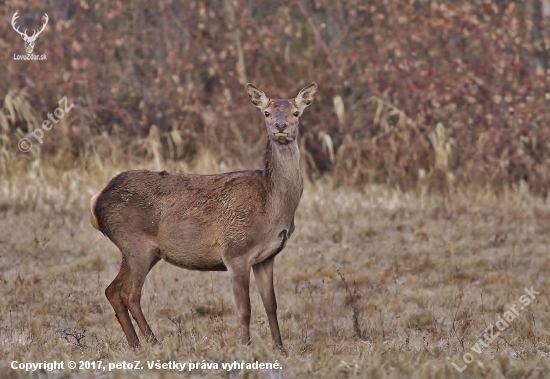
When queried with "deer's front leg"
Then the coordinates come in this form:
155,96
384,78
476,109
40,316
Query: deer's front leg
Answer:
239,271
263,273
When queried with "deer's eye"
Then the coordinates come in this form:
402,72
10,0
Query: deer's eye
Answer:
266,113
296,114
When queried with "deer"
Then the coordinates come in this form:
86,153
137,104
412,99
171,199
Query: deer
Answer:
236,221
29,41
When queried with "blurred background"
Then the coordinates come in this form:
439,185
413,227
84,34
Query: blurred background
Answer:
416,93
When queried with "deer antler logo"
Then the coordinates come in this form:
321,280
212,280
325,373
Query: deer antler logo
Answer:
29,41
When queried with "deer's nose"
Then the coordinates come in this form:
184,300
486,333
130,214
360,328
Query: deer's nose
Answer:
281,125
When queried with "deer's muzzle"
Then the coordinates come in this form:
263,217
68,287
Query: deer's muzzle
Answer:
283,138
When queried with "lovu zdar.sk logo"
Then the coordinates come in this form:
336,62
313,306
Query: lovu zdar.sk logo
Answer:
29,40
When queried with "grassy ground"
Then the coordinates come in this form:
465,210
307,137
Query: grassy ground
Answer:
374,284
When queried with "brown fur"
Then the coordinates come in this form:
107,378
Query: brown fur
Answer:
233,221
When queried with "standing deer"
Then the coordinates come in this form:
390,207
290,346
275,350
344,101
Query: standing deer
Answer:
227,222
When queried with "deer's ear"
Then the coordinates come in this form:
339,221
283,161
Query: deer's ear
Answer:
257,96
306,96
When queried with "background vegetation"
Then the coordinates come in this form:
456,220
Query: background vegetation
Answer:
441,92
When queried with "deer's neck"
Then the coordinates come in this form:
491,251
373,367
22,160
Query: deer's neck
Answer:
283,178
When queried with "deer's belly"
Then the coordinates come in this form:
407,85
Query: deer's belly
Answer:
188,245
204,258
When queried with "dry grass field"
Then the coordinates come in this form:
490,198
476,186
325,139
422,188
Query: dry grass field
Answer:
374,283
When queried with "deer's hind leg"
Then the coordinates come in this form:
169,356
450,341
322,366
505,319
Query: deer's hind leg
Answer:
121,310
125,291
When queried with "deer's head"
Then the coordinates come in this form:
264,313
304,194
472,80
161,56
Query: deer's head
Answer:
29,40
282,115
